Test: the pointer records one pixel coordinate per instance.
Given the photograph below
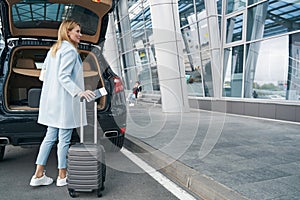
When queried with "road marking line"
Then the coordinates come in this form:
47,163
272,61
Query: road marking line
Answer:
163,180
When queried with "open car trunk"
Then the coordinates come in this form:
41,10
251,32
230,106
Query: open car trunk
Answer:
23,87
41,18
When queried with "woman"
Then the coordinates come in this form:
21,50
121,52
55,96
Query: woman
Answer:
136,89
59,105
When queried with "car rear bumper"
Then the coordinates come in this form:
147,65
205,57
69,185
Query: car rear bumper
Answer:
26,131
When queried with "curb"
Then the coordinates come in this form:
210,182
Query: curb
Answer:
200,184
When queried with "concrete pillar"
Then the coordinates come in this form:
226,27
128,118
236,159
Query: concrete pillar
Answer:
215,45
169,55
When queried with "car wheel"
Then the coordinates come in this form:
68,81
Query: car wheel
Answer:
2,150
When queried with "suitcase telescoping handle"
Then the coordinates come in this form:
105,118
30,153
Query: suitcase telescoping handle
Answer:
82,102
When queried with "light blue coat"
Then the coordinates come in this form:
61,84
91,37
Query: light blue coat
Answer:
63,80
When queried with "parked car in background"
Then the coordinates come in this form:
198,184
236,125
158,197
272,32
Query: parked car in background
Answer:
29,29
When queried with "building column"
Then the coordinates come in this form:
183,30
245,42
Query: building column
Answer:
215,45
168,45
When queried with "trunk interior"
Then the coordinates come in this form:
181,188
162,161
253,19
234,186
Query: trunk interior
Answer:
23,86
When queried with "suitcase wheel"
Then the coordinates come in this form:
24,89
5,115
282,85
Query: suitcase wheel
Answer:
72,193
99,193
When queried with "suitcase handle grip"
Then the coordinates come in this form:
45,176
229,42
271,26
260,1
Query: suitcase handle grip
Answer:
82,102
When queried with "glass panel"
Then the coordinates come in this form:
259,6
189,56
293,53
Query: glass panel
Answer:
200,7
273,17
255,21
186,9
207,75
203,31
233,71
219,7
250,2
273,69
192,36
194,82
220,23
191,45
293,79
234,28
234,5
49,15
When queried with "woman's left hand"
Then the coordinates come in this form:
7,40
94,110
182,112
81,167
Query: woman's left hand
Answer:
88,95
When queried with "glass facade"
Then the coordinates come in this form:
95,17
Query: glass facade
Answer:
197,49
134,32
259,47
269,65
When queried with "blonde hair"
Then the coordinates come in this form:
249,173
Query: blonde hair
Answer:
64,27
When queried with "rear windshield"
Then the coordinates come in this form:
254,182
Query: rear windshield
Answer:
50,15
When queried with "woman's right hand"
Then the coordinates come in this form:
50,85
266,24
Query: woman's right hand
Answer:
88,95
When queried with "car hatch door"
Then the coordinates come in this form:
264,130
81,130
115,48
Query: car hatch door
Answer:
41,18
4,20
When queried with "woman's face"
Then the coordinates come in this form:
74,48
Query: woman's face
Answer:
75,34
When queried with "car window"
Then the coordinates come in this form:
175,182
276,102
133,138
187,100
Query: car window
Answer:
49,15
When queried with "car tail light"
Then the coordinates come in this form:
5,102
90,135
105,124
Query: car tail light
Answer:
122,130
118,84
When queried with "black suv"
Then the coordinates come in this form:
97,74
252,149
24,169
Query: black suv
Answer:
29,29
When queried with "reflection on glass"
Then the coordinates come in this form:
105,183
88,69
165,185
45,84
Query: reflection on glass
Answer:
192,61
234,28
272,18
141,65
207,77
234,5
293,82
273,69
220,23
219,7
191,44
186,9
203,32
194,82
200,6
250,2
255,21
233,71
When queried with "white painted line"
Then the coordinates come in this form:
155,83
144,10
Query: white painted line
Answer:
164,181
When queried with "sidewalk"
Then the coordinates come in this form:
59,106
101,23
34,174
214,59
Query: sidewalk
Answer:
219,156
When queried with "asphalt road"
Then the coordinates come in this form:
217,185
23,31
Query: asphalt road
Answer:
124,180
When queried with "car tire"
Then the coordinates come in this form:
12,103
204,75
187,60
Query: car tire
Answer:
2,150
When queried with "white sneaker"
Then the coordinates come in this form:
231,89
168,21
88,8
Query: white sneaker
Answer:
44,180
61,181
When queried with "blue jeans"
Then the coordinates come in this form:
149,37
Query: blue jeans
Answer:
64,137
131,98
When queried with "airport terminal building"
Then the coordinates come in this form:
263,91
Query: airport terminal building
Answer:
234,56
